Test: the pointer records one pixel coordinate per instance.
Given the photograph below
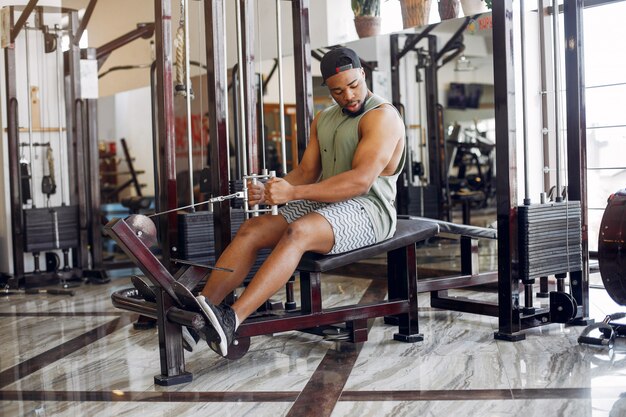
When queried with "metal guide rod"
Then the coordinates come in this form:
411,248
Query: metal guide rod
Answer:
185,5
60,103
409,142
262,123
557,69
200,23
55,218
261,93
281,99
241,90
524,127
30,117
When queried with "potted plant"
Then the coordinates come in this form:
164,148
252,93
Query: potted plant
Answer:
448,9
414,12
366,17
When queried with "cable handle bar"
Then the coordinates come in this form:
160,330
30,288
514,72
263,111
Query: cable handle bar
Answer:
254,178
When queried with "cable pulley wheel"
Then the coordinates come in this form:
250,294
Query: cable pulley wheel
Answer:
563,307
144,228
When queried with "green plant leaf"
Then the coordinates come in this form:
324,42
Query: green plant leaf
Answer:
366,7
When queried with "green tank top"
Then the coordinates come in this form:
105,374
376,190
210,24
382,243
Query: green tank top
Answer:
338,137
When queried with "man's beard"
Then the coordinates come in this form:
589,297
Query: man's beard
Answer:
359,111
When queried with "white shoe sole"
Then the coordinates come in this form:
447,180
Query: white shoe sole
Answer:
223,346
188,338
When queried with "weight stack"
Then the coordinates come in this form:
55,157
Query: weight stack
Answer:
50,228
549,239
195,237
196,242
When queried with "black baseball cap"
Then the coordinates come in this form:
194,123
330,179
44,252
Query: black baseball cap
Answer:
338,60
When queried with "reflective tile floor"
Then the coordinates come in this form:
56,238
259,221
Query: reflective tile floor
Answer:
79,356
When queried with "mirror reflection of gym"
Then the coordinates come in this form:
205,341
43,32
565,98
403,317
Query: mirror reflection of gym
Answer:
441,78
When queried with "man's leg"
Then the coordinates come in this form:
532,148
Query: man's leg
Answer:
255,234
311,232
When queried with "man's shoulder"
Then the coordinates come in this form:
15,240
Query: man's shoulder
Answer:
328,113
385,111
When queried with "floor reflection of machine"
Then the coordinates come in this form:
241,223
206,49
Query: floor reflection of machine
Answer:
470,170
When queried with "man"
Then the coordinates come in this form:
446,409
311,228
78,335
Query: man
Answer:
341,197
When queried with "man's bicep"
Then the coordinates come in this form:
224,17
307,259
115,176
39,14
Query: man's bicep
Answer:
378,142
311,162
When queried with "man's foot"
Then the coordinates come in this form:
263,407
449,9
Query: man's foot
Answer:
222,321
190,338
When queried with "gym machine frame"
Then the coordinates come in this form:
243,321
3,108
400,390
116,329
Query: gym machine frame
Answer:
401,250
512,319
511,315
76,115
508,310
437,192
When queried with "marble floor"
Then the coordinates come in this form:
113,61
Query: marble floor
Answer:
79,356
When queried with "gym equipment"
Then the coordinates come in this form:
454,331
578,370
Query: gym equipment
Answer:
175,305
110,191
39,219
612,262
605,333
402,299
612,247
281,94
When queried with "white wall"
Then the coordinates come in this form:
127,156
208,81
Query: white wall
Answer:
133,121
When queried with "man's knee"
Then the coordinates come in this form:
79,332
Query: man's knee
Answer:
297,231
249,226
262,230
308,235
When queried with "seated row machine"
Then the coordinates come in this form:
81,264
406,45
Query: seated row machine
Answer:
400,308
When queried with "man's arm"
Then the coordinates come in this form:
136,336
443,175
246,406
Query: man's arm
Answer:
378,153
309,169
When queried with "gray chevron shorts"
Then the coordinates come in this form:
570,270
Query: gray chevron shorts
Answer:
351,224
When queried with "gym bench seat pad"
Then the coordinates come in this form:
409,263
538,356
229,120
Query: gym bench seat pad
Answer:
407,232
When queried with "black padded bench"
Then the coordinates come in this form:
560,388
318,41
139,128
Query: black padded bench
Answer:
401,303
401,282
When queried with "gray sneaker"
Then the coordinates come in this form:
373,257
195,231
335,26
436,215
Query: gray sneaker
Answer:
221,332
190,338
